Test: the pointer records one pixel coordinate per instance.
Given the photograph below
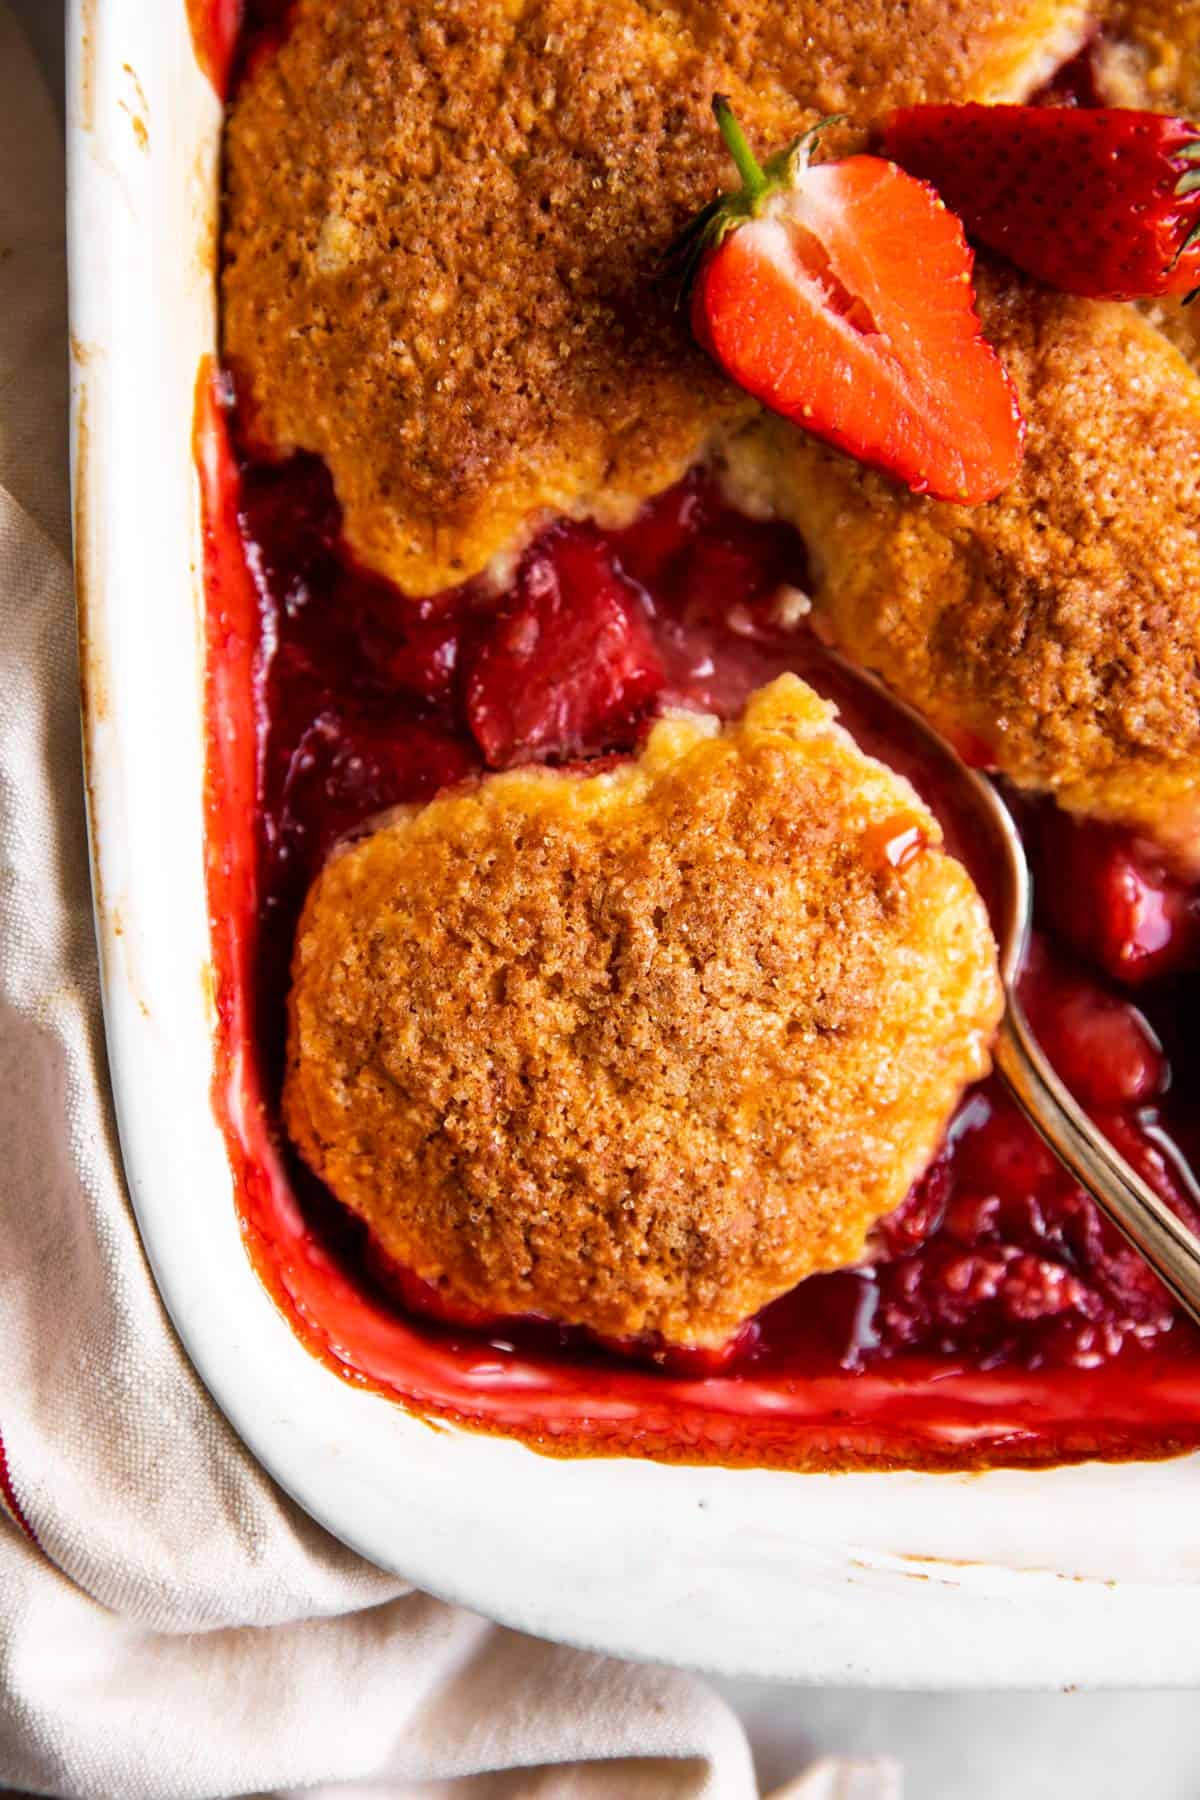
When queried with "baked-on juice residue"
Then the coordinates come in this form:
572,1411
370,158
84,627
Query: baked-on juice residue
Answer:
818,1387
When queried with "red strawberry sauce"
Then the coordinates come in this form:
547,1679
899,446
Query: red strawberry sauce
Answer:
1003,1320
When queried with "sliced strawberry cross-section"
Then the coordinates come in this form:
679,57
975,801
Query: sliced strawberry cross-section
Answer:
839,294
569,665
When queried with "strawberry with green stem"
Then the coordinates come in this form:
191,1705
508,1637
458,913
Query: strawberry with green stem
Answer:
1101,201
839,294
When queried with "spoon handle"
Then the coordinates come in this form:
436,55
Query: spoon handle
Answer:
1149,1224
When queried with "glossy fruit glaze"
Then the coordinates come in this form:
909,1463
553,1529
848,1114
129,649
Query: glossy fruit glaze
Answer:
1001,1320
228,35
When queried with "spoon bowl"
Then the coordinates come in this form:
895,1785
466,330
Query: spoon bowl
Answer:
1159,1236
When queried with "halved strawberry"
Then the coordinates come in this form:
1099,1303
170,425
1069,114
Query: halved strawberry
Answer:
1093,200
839,294
569,665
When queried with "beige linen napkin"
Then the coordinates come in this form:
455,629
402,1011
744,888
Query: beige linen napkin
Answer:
170,1624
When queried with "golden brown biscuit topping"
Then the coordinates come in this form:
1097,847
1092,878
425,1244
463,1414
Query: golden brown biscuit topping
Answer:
641,1049
445,226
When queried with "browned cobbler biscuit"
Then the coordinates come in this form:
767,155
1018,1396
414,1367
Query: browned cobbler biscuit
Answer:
1149,55
445,224
1179,323
862,56
1060,624
640,1050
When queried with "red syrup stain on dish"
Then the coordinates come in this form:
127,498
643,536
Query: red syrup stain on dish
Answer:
1001,1322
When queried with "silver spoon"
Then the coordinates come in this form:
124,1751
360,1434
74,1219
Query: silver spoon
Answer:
1145,1220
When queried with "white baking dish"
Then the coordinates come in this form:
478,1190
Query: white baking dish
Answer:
1077,1575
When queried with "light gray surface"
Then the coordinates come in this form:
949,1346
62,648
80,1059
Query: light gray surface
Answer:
982,1747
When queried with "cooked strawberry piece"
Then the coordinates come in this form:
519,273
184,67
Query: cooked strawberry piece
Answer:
569,665
414,650
352,763
1001,1154
1024,1265
653,549
738,571
1101,201
1113,899
918,1215
839,294
421,659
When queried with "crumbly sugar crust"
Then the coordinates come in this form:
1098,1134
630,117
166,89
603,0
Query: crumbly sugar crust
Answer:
640,1050
1149,55
1058,626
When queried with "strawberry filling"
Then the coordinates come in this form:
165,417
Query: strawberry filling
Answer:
568,664
370,701
995,1292
1144,920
